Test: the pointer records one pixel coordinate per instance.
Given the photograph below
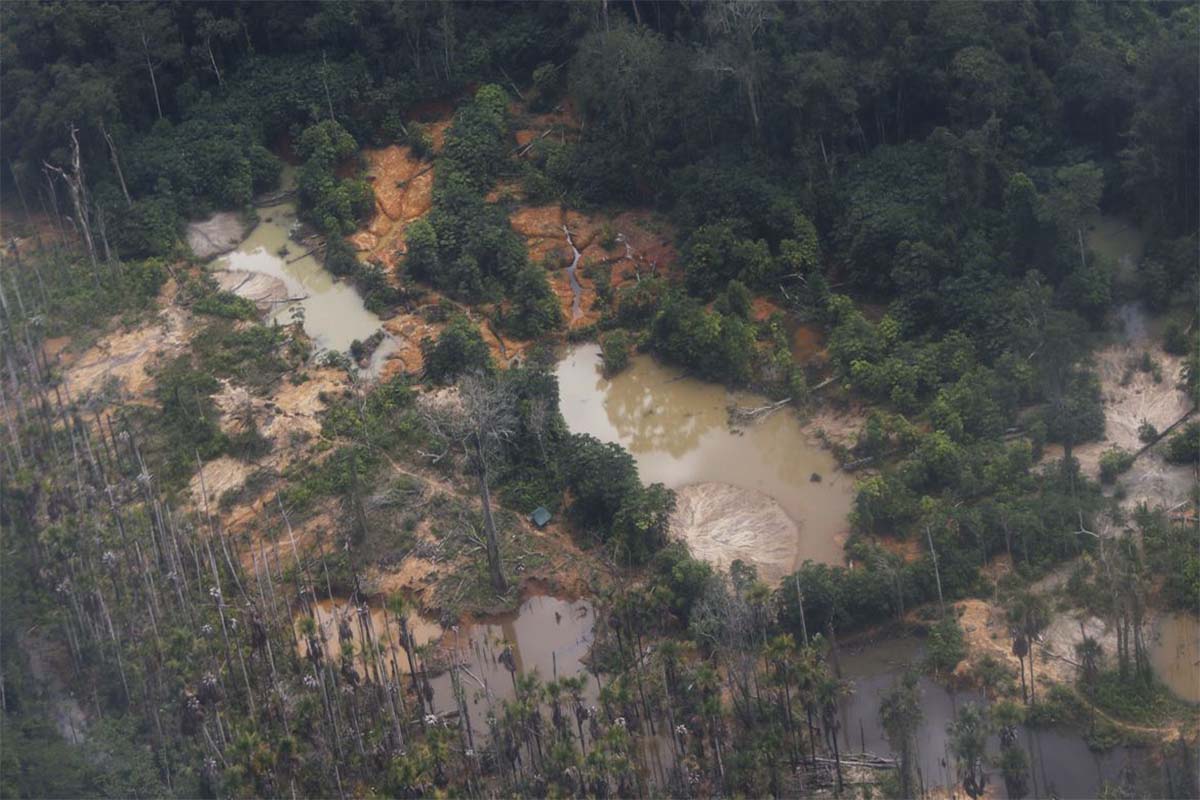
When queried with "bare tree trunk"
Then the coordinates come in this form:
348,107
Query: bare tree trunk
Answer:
499,582
78,189
213,61
936,573
150,69
116,162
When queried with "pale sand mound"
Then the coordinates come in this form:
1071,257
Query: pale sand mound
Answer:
265,291
218,234
723,523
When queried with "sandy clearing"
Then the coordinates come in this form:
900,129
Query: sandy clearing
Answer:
125,355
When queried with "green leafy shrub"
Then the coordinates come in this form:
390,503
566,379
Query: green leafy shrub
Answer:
945,647
1184,446
459,349
614,351
1113,462
1175,341
225,304
534,310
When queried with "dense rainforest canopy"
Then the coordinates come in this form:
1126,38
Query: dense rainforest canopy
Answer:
916,180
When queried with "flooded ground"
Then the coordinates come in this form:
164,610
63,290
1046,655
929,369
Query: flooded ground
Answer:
677,430
1175,654
1061,765
545,635
332,310
329,616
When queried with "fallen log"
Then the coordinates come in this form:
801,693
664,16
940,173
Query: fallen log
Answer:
742,414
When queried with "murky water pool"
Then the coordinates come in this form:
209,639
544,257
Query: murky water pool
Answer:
332,310
677,429
1060,763
545,635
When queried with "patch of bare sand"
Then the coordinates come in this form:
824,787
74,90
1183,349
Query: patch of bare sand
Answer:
986,632
218,234
125,355
289,419
1130,395
835,424
722,523
217,477
1157,484
265,291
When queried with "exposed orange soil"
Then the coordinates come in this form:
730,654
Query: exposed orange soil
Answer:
541,228
637,251
560,124
27,232
408,330
761,308
403,186
909,550
808,345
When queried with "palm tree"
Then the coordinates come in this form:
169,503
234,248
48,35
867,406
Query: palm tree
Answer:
1089,652
780,653
1029,615
968,742
829,692
901,715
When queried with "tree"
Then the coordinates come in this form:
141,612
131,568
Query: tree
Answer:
900,712
147,32
968,742
210,29
640,525
535,310
458,350
1074,197
480,425
1028,616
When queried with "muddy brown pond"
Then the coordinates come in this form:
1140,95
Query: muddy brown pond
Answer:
1060,763
677,430
332,310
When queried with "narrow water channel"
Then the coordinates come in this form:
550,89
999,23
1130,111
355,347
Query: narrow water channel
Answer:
677,429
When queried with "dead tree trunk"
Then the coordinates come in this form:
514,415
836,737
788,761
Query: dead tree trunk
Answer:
116,162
